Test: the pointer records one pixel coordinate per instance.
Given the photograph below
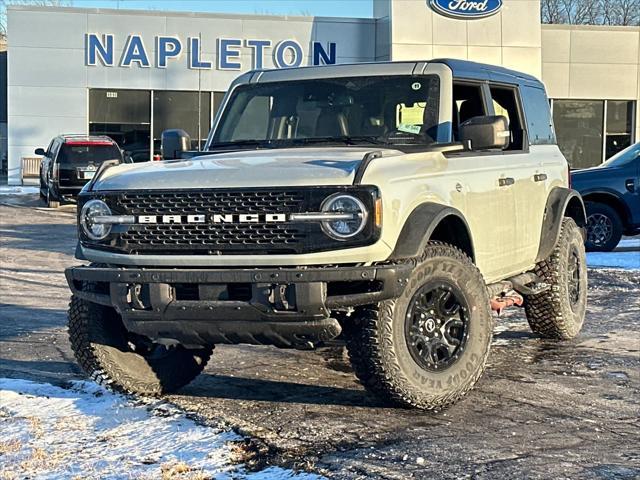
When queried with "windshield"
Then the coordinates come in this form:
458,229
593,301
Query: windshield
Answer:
79,155
625,156
393,110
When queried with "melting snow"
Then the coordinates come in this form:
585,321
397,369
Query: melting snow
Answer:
88,432
10,190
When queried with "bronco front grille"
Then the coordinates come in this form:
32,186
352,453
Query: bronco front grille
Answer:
206,202
224,238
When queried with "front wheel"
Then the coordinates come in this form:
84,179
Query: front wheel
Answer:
429,347
559,312
124,362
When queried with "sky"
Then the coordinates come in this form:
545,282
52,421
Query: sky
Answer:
322,8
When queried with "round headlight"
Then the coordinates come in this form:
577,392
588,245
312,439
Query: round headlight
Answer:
344,229
90,210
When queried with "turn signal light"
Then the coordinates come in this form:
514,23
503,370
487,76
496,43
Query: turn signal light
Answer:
378,213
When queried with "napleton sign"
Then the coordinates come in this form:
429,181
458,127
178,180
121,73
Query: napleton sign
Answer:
99,50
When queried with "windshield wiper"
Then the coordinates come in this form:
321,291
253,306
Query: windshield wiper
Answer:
244,143
346,139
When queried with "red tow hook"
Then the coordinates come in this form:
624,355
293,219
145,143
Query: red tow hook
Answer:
505,300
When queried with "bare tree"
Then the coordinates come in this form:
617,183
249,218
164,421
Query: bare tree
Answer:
41,3
591,12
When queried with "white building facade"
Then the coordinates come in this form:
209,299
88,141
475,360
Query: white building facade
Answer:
132,74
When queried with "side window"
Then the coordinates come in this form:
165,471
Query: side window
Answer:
54,150
505,103
538,113
48,152
467,103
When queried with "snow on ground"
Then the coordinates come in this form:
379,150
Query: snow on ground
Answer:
626,255
85,431
18,190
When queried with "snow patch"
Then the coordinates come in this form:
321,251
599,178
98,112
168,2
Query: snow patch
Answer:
18,190
627,260
50,432
626,255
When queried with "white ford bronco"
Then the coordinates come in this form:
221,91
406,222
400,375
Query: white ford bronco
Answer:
389,206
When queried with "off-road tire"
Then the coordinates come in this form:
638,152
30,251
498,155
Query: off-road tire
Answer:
377,346
617,228
99,343
552,314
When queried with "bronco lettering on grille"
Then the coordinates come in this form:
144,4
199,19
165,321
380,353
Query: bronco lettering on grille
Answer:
215,218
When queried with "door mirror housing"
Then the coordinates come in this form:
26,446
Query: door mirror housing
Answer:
40,151
486,132
174,143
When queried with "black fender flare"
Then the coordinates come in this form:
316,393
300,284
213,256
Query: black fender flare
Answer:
420,226
562,202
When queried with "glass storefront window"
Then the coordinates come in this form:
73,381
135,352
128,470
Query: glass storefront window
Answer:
619,126
579,127
591,131
173,109
125,116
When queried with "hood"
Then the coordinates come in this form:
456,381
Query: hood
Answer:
255,168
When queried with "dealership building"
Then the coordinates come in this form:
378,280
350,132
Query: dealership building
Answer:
132,74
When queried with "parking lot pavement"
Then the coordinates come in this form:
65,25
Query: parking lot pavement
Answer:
542,410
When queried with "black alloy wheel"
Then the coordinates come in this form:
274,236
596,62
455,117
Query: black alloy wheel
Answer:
599,229
436,326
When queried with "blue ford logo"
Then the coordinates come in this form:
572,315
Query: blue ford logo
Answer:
466,8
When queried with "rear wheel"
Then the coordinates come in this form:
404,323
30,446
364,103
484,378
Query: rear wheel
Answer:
559,312
52,200
429,347
125,362
604,227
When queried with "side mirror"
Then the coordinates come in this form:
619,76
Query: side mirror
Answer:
485,132
174,143
40,151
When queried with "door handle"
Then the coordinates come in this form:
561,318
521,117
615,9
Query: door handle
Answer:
630,184
539,177
505,182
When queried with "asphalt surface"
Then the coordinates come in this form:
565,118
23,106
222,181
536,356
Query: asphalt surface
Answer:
542,410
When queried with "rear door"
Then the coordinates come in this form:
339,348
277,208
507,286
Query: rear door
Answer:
522,176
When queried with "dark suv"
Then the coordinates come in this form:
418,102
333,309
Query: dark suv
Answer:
69,162
611,192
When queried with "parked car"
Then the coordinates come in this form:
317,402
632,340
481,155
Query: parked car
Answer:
611,192
70,162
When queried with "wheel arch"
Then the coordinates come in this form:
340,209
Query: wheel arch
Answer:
611,200
433,221
562,202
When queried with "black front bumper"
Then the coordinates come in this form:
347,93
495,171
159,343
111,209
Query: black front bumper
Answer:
287,307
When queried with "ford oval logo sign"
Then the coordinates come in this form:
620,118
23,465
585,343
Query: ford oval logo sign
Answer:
466,9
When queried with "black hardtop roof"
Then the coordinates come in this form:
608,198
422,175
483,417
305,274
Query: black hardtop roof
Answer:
483,71
462,69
